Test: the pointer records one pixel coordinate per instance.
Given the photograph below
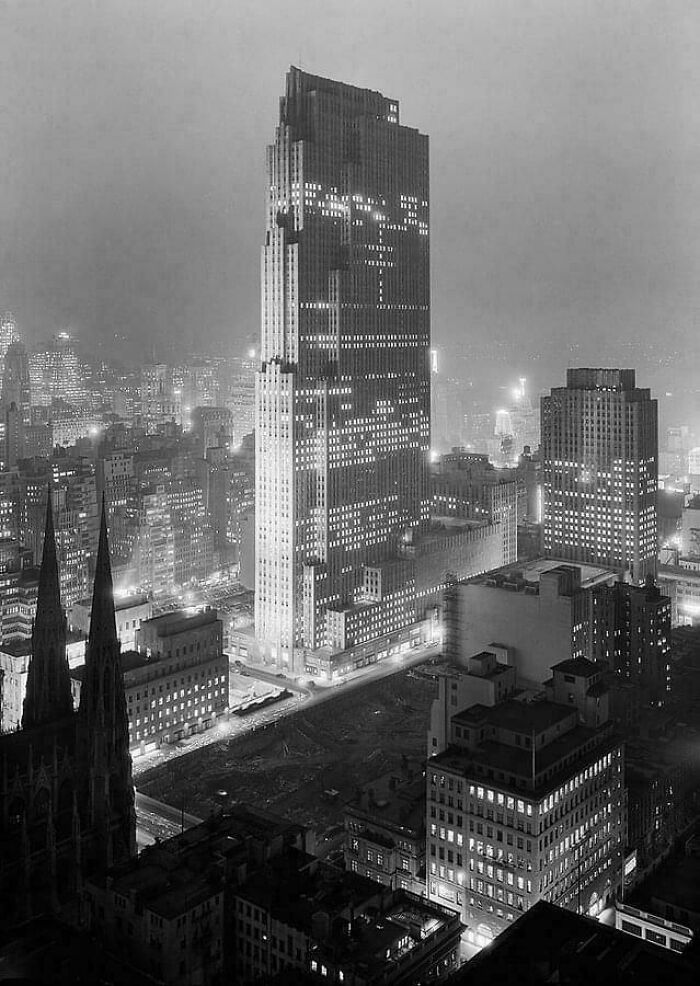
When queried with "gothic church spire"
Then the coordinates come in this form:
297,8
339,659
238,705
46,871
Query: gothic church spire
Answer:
48,696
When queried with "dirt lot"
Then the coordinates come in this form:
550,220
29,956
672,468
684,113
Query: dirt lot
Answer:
286,767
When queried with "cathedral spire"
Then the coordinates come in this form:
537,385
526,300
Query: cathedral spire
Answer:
48,695
103,688
104,719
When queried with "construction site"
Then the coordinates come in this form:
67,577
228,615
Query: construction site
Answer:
310,763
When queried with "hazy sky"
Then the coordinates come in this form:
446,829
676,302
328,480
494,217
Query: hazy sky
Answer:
565,160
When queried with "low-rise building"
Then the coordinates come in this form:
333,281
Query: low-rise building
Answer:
130,612
168,907
176,683
385,832
14,667
297,913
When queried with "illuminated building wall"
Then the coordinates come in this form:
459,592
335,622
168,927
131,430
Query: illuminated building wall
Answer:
529,620
241,399
343,395
161,399
154,542
56,373
466,484
599,471
527,803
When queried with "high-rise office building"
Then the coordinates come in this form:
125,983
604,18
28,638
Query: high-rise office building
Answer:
525,800
599,472
343,393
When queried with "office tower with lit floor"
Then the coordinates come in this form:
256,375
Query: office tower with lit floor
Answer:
343,393
599,472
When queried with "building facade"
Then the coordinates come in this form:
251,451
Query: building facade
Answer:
631,630
526,802
599,471
343,393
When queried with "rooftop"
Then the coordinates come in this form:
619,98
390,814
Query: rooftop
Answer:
579,666
175,875
548,944
518,717
179,621
396,802
530,572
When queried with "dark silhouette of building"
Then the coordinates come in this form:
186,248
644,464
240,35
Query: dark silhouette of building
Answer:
16,382
631,630
66,790
551,945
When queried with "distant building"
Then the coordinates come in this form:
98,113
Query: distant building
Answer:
16,385
213,427
599,469
130,613
689,533
56,373
161,400
681,583
527,803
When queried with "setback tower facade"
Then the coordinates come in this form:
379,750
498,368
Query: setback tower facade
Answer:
343,392
599,472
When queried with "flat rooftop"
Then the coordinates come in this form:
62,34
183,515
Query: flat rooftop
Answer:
398,802
179,873
516,762
518,717
532,571
179,621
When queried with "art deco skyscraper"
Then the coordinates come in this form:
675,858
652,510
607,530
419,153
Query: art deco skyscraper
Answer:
599,472
343,395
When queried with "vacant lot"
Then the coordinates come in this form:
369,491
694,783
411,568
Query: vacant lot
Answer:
286,767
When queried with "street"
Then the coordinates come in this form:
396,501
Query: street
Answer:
230,725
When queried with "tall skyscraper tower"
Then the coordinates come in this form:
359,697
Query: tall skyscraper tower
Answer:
599,472
343,393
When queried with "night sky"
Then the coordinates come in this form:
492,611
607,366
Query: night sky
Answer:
565,162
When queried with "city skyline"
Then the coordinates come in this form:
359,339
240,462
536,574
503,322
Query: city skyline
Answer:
390,655
563,147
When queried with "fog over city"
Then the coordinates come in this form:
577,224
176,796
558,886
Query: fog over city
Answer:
349,492
564,170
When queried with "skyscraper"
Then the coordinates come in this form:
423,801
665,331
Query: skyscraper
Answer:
343,393
599,472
